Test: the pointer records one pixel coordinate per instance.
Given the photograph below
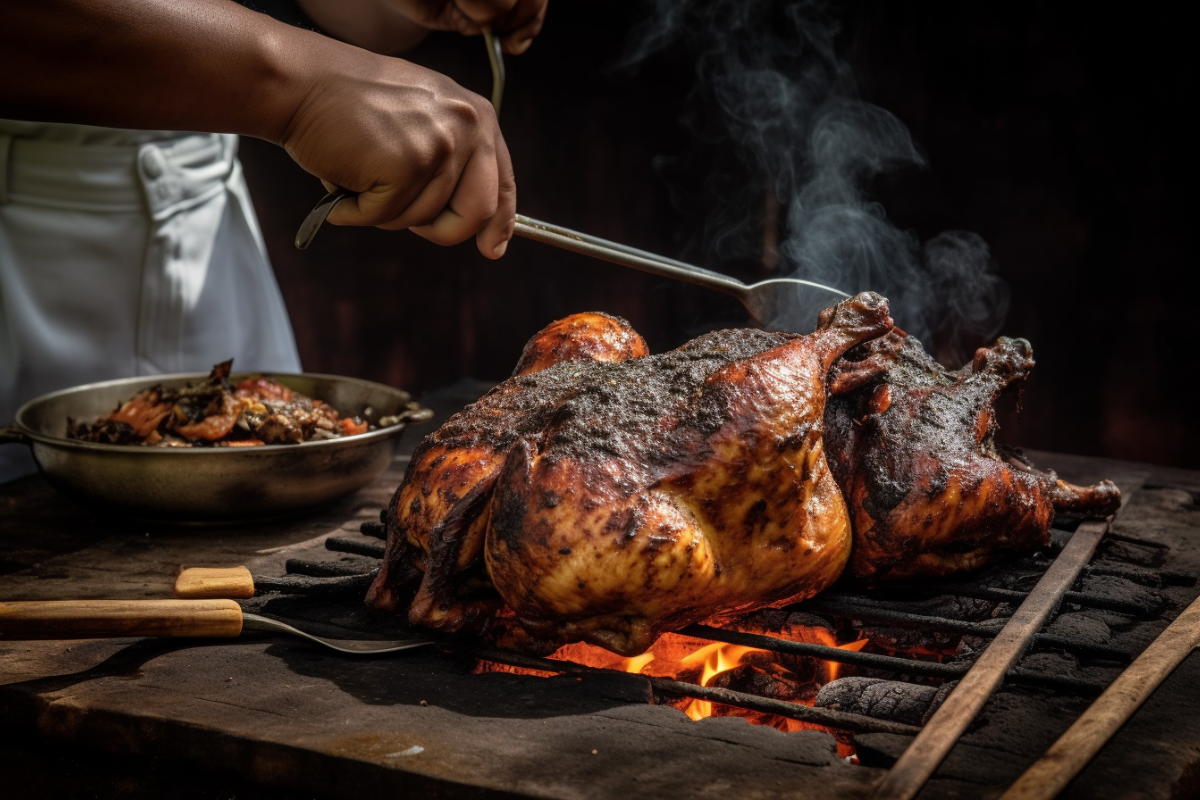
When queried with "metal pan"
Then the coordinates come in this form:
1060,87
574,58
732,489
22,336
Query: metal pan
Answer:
185,486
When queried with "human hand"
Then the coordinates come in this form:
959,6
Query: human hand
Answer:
422,152
516,22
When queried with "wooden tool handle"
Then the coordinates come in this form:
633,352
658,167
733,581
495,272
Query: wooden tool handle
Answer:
203,582
104,619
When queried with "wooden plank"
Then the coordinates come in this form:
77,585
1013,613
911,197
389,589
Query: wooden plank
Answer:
283,714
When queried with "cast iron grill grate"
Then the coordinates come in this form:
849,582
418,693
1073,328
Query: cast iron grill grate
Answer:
1121,581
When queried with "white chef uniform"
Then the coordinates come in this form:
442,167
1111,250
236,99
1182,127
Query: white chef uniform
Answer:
126,253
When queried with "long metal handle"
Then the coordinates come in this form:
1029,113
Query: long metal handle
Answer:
496,61
316,218
1050,774
942,731
624,255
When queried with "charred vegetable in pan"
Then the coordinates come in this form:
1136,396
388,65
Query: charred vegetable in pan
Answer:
215,413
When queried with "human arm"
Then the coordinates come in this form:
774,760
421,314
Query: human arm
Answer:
422,152
516,22
375,25
393,26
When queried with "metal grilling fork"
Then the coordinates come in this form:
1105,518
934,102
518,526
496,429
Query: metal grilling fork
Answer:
764,300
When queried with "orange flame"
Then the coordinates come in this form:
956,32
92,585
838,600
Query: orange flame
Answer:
689,659
716,658
637,663
834,668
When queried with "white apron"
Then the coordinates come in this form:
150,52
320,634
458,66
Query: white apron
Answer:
126,253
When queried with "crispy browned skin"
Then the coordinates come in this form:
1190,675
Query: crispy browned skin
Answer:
912,446
611,501
436,520
614,501
581,337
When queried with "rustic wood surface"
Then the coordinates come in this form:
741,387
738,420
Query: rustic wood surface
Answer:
283,713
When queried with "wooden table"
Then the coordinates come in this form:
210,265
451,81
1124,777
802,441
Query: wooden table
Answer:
243,716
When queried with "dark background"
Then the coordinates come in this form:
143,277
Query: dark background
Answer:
1057,134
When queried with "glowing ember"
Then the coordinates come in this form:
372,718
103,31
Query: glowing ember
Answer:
716,658
745,669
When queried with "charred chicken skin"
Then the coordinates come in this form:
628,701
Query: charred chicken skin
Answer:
913,447
581,337
610,501
605,495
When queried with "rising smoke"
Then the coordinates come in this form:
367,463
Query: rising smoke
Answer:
771,89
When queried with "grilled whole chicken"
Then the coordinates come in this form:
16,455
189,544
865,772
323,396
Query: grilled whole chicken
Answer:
610,501
607,496
913,447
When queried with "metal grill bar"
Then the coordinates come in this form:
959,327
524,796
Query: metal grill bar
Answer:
314,586
979,592
839,720
375,529
1147,577
903,666
359,547
323,569
1120,537
864,613
985,630
1076,598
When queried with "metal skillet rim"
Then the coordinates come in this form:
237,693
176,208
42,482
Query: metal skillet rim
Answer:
63,441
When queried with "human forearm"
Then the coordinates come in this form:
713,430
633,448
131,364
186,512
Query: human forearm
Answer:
374,25
421,151
208,65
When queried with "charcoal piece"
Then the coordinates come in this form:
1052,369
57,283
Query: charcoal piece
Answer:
349,565
882,699
969,648
1081,626
771,681
910,641
1121,594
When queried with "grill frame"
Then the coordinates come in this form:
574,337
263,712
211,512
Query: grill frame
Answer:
316,578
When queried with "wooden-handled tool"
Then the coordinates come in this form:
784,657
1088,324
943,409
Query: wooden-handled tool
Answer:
111,619
238,583
198,583
1050,774
97,619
